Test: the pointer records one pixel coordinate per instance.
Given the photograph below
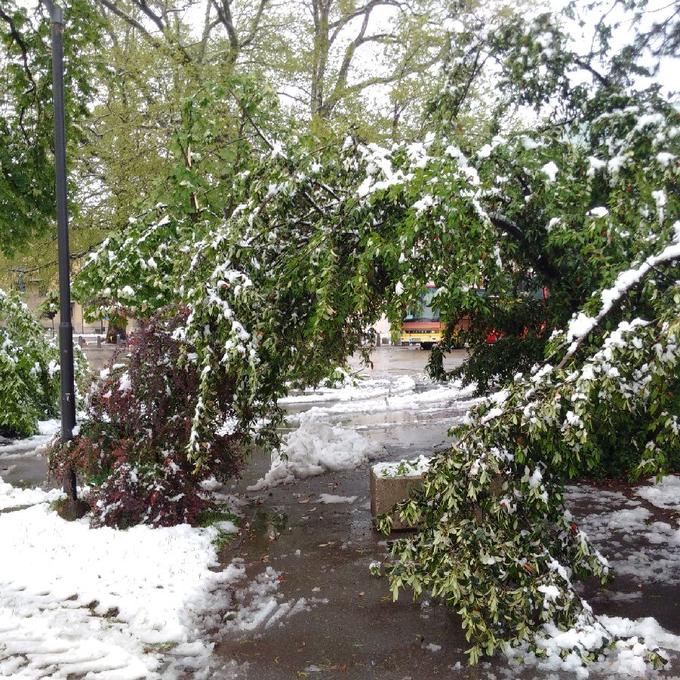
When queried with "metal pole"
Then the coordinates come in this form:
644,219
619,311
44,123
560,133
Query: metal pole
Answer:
68,404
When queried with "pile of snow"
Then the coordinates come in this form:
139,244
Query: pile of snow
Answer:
14,497
226,527
48,428
76,600
416,467
666,494
46,431
314,448
318,446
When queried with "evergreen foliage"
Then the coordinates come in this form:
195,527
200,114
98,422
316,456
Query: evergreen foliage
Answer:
29,370
496,541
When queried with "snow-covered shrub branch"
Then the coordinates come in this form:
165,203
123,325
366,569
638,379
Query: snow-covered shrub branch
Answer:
582,325
595,197
310,247
260,283
133,445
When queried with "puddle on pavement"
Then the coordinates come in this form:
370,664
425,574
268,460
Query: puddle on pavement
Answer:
266,525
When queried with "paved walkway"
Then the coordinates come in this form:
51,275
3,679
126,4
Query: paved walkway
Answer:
357,632
348,626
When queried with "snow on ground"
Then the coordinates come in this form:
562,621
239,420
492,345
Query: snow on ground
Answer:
638,546
642,552
314,448
80,600
421,400
317,446
370,388
259,604
14,497
331,499
122,605
666,494
118,605
46,430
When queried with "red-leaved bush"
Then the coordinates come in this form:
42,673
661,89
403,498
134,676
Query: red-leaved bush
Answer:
132,446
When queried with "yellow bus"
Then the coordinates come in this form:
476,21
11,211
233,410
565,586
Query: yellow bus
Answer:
421,326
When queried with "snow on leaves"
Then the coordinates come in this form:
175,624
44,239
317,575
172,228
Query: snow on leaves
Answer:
309,248
29,381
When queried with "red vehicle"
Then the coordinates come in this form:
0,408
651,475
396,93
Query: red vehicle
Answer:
422,326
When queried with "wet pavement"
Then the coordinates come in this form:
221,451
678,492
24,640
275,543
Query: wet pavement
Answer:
348,626
22,463
391,361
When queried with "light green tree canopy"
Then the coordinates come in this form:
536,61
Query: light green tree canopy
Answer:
26,124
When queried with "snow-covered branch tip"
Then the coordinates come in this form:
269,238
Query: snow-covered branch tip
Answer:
582,325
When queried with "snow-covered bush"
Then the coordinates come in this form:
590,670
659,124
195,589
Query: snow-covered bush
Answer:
133,446
29,370
256,287
589,207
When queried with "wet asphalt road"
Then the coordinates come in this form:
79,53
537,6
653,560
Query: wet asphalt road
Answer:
391,361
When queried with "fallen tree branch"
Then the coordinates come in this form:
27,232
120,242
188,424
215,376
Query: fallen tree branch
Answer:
612,297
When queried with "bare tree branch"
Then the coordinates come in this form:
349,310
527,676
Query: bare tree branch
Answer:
255,24
144,7
112,7
223,9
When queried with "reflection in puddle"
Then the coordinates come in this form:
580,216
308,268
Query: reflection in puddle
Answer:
266,525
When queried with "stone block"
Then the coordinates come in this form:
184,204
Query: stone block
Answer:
389,487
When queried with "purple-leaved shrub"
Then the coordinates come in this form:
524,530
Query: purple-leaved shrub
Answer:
132,445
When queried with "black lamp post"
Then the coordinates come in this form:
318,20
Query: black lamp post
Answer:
68,403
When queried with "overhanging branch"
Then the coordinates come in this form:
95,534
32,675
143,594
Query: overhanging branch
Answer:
539,260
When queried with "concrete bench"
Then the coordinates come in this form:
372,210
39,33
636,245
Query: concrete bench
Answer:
393,482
